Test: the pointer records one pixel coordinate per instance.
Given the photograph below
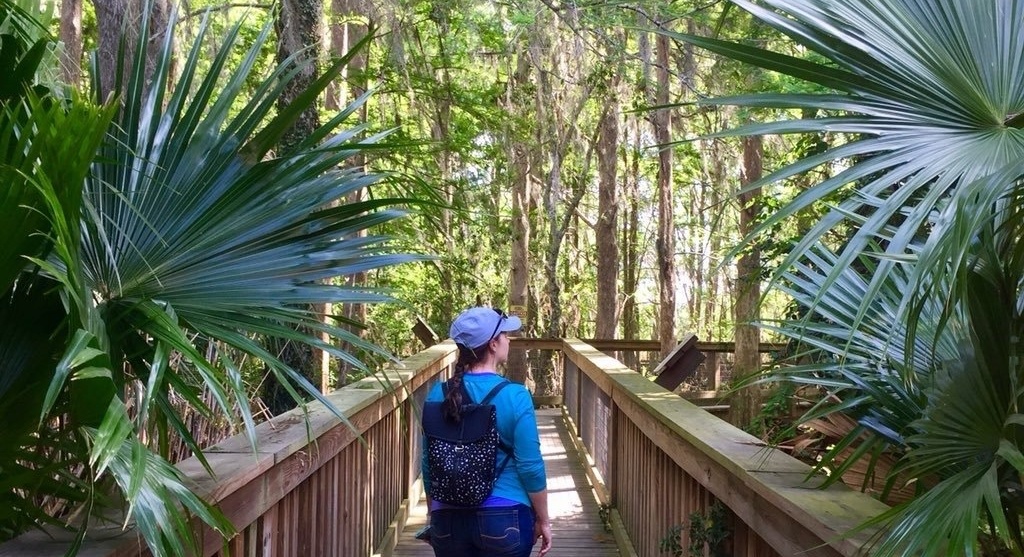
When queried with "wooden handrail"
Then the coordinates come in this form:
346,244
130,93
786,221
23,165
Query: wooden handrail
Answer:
660,458
637,345
711,369
300,475
326,487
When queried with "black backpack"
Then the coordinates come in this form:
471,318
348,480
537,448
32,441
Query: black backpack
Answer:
461,455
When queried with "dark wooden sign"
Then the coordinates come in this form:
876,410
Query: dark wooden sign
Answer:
680,364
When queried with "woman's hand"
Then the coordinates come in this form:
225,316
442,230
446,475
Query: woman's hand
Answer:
543,532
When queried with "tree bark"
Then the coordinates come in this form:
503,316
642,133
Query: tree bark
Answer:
113,23
746,404
716,218
347,27
630,246
71,38
552,196
518,369
607,221
558,225
299,30
118,20
559,110
662,123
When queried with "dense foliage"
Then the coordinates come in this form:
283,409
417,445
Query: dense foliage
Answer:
160,239
913,322
151,244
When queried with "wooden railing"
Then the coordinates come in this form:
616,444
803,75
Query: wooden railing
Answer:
321,487
643,355
327,488
657,459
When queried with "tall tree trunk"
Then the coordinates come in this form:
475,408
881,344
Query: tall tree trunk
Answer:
715,217
559,225
662,120
697,245
550,135
122,19
440,133
607,221
534,153
347,27
746,404
552,196
299,31
71,38
630,257
519,275
560,111
694,205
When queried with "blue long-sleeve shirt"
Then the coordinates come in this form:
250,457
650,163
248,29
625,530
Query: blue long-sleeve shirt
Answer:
517,427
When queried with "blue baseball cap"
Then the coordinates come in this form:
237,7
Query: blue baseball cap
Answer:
476,326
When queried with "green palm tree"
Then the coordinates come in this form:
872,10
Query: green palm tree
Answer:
944,407
39,165
916,318
170,231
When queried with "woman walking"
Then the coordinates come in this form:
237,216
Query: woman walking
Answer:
514,515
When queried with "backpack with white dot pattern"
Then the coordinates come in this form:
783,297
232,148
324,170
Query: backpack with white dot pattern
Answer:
462,455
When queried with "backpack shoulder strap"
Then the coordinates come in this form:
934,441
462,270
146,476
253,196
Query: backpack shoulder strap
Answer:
487,400
494,392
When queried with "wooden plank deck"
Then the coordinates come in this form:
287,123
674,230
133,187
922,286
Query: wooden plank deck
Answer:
575,519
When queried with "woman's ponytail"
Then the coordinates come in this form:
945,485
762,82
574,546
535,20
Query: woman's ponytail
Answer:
452,407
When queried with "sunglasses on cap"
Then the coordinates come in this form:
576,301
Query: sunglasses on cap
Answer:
502,316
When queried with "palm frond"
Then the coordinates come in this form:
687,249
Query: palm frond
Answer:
148,483
930,89
913,323
46,147
169,223
944,410
192,230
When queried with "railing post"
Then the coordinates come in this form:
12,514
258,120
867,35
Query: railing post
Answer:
571,391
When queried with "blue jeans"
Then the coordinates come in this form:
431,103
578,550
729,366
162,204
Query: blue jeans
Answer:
482,532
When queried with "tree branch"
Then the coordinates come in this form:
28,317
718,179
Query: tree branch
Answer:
226,7
580,190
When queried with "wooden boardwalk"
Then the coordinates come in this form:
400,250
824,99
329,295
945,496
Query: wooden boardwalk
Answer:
575,519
